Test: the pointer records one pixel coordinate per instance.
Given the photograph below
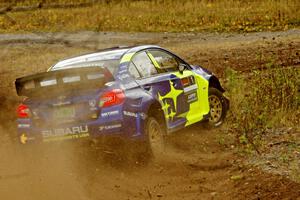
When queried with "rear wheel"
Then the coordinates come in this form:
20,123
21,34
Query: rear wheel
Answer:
218,107
156,136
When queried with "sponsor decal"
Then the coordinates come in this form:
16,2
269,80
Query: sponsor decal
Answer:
92,103
123,76
65,131
109,127
132,114
23,125
123,67
65,137
192,97
123,71
190,88
109,114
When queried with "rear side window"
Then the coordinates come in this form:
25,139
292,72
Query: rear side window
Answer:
166,61
144,64
133,71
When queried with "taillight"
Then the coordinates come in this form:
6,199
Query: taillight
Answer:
23,111
111,98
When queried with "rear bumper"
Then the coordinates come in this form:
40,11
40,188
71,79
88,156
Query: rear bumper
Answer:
27,133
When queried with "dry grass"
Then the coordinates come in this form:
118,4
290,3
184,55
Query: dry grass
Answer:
157,16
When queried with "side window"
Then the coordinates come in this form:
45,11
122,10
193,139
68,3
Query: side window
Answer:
166,61
133,71
144,65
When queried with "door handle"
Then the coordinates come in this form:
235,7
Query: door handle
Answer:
147,87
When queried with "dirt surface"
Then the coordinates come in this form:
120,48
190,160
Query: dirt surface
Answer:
197,164
195,167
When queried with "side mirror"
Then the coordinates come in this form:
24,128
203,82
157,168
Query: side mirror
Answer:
181,68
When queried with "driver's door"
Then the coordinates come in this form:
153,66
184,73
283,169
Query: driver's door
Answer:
190,104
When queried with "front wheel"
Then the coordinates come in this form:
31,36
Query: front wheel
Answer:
218,107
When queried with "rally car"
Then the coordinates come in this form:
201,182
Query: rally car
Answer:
140,93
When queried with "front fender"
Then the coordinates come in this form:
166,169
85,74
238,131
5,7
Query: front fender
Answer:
208,75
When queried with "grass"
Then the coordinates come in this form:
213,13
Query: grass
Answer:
264,117
156,16
263,100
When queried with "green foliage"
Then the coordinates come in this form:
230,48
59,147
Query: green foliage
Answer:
265,99
154,16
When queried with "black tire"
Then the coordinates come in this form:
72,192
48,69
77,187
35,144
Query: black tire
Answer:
218,107
155,132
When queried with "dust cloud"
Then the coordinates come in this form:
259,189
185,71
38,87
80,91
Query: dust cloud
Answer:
37,172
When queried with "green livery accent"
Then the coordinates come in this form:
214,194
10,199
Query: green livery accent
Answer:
126,58
153,60
173,94
197,108
201,106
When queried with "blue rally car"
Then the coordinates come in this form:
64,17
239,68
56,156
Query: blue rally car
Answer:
140,93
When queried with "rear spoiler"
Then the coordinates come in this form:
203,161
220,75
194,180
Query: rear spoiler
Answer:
45,83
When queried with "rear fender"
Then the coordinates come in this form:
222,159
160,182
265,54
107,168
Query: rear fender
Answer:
136,111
